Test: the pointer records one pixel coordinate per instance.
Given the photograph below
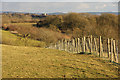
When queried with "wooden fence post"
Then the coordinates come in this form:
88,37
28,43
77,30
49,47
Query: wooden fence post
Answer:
100,47
62,44
84,44
91,44
76,45
73,45
68,45
115,54
78,48
59,46
112,50
65,43
95,46
108,48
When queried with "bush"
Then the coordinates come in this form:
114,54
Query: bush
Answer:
40,34
74,20
107,19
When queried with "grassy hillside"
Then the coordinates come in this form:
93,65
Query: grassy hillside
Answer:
34,62
22,56
12,39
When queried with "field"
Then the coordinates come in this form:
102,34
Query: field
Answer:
12,39
22,24
27,57
35,62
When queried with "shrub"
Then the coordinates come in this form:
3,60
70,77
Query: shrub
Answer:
40,34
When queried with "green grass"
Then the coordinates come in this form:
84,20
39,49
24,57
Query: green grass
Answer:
22,24
35,62
11,39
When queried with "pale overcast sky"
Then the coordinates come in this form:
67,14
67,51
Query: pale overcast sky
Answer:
49,6
59,0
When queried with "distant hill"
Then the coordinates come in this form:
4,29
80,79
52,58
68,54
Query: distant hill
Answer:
98,13
94,13
58,13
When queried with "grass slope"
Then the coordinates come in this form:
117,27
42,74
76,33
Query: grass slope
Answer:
12,39
34,62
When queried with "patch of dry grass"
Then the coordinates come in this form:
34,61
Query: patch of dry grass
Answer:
11,39
34,62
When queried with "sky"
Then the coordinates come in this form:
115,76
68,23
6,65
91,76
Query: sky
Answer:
59,0
50,6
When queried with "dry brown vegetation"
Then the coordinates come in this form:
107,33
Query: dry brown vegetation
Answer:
51,28
79,24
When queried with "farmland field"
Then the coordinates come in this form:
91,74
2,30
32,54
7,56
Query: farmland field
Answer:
35,62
